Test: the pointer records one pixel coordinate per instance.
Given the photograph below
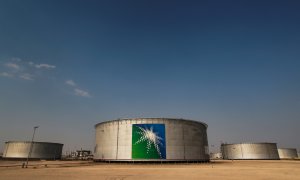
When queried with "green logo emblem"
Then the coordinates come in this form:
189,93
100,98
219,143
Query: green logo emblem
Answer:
148,141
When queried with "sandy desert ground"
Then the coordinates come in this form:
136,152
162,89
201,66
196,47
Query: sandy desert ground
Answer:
220,169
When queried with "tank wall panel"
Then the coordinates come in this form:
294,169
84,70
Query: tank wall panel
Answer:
125,141
107,135
174,144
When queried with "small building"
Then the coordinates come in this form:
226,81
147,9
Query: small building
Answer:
217,155
81,155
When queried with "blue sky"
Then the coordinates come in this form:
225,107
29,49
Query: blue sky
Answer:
66,66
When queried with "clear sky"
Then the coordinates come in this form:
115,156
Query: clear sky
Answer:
67,65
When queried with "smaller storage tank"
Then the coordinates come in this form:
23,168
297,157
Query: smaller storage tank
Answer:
287,153
39,150
250,151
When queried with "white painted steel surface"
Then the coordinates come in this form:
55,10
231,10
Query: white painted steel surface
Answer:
250,151
40,150
186,140
287,153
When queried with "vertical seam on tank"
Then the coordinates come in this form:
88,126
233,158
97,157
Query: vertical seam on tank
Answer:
183,141
4,155
242,151
118,140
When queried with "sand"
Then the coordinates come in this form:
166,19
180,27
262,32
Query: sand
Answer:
220,169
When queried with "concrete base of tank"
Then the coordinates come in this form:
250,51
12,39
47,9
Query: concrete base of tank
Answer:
159,161
252,159
30,159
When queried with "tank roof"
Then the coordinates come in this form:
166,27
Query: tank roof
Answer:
180,119
249,143
33,142
288,148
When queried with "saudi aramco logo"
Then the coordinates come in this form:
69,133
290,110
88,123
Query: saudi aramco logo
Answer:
148,141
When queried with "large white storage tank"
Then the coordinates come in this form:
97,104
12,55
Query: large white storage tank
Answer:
287,153
40,150
151,139
250,151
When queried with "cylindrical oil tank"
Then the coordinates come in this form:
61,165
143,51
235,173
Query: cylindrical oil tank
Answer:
250,151
39,150
151,139
287,153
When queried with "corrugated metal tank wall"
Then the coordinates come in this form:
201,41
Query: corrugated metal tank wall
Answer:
185,139
250,151
287,153
40,150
